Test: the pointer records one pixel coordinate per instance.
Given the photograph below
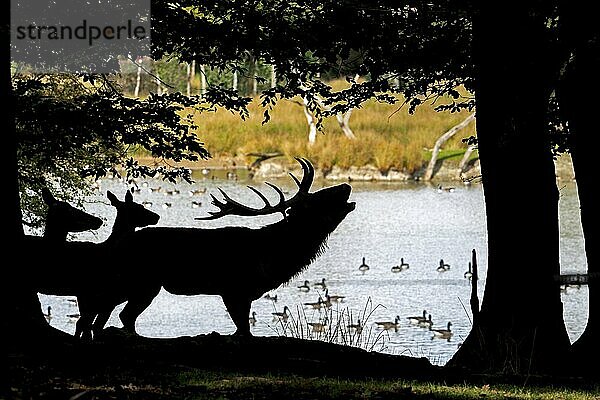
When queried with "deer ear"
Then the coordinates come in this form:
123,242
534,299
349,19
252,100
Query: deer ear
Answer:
47,196
113,199
129,196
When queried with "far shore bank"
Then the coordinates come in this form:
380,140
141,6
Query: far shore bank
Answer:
279,167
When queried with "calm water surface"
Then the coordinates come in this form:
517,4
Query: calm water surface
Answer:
391,221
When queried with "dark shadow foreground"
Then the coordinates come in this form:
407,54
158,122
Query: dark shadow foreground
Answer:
121,362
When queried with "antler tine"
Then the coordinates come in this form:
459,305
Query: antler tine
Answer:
228,206
232,203
295,179
262,196
233,207
308,174
281,195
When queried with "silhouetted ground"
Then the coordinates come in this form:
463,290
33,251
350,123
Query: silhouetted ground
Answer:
129,367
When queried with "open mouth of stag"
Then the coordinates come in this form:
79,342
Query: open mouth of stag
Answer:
346,189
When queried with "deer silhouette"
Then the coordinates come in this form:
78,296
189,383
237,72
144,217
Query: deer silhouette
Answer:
130,215
68,280
263,259
61,219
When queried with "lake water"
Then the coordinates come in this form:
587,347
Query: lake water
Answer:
413,221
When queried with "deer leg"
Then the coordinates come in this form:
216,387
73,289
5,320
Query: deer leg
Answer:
86,317
136,305
104,308
100,322
239,310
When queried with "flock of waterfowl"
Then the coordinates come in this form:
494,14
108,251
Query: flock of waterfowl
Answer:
325,301
403,266
167,192
422,321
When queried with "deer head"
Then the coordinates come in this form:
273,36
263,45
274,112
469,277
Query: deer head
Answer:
130,215
329,202
63,218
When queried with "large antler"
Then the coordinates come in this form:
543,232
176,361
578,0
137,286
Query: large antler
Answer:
228,206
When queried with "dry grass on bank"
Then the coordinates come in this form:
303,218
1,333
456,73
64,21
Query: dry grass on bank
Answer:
385,138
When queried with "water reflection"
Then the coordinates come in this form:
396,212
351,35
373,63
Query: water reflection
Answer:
409,221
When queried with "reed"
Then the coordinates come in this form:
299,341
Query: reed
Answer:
337,330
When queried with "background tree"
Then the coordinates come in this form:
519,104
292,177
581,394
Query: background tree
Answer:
580,39
515,122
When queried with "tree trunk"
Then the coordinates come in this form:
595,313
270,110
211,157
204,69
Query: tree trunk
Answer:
440,142
273,77
252,70
581,77
158,84
463,162
234,84
138,79
22,320
344,122
202,79
520,327
312,123
191,73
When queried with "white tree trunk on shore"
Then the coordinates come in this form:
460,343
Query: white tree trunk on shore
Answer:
312,122
465,159
441,140
202,80
191,72
234,84
344,122
158,84
342,119
138,79
273,77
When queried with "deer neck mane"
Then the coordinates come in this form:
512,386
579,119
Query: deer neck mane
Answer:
298,242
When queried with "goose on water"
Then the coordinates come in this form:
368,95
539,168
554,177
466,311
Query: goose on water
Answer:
443,333
48,315
443,267
363,267
415,319
269,296
469,273
318,326
333,298
321,285
428,323
390,325
357,327
284,315
252,318
305,287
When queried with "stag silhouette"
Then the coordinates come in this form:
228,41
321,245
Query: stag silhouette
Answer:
263,259
72,255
